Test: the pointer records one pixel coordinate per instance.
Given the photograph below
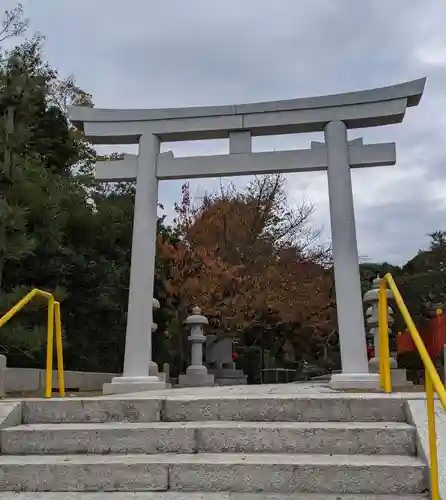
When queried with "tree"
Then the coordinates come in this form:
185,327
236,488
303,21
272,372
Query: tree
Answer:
63,232
423,280
27,195
14,23
246,257
369,271
432,259
254,226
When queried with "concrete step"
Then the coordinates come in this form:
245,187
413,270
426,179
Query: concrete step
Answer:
215,472
10,413
266,408
211,437
90,410
175,495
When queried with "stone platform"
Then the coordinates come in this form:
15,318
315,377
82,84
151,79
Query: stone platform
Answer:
295,389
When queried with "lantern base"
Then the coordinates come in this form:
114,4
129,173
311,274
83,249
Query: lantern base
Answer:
196,380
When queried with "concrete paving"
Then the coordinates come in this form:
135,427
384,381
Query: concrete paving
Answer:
297,389
175,495
293,389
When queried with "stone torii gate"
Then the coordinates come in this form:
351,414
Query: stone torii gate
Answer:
332,114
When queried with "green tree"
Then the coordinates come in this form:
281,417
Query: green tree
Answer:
63,233
369,271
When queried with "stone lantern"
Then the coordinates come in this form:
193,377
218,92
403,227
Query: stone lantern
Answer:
197,373
371,299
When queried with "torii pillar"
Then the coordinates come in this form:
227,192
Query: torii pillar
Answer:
332,115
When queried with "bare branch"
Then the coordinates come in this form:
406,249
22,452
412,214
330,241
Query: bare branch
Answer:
64,93
14,24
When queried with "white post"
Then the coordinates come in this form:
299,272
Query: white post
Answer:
153,367
138,344
355,372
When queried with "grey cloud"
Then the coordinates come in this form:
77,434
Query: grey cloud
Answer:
259,53
153,53
394,232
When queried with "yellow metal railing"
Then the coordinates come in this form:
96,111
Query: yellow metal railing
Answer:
433,381
54,323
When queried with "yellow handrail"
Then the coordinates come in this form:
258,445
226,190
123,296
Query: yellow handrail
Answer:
54,319
433,380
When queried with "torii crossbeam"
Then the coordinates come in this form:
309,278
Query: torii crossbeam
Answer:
332,114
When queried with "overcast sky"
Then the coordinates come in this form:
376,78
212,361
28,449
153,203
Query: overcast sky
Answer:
167,53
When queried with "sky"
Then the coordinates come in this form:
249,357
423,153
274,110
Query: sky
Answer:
172,53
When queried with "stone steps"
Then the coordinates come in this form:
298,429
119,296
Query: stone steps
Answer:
304,447
210,437
72,410
266,408
284,473
173,495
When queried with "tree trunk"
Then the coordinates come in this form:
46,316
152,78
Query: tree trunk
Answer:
5,184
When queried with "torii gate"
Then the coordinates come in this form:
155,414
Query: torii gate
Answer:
332,114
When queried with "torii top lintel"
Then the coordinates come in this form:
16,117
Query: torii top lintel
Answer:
365,108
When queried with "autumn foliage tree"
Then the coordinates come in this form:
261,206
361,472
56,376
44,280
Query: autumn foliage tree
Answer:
246,257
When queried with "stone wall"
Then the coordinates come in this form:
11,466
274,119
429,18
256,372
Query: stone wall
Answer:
33,380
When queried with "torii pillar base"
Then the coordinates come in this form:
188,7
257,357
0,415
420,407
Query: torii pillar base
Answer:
128,385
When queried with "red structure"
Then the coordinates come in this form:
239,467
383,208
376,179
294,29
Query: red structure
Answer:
433,335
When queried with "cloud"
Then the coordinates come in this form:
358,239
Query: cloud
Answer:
149,53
